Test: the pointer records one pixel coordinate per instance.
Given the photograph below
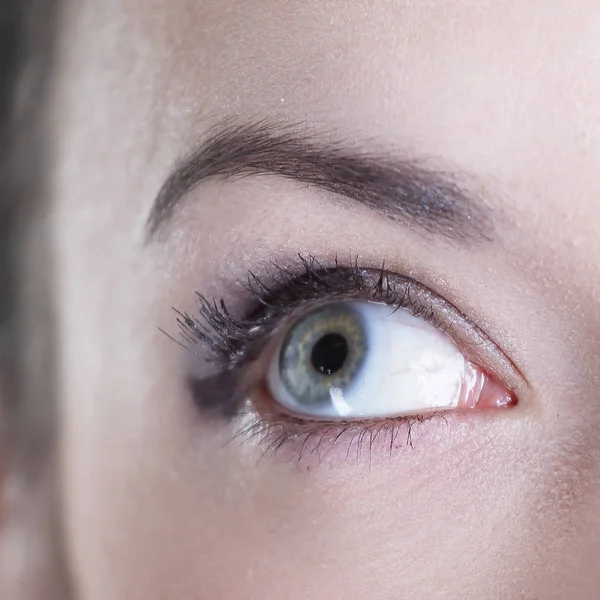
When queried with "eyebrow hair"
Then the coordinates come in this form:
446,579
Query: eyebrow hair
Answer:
400,189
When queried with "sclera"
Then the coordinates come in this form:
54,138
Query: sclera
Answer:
411,368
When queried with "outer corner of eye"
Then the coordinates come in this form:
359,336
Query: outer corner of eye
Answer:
365,360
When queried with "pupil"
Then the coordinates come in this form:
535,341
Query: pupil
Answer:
330,353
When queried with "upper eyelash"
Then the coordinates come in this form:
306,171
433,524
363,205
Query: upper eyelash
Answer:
231,340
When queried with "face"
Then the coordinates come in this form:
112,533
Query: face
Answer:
426,429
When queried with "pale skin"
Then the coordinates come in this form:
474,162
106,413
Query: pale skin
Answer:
155,505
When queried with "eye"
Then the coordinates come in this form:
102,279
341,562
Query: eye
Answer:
323,348
361,359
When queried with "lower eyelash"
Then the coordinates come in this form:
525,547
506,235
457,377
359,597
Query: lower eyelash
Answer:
298,441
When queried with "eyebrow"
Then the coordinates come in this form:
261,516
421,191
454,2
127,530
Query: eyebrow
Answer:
399,188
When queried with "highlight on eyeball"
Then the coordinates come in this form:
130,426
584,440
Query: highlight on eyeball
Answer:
367,360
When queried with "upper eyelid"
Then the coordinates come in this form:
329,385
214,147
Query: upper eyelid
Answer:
479,338
472,339
475,342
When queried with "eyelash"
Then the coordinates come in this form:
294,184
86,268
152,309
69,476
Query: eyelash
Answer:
233,344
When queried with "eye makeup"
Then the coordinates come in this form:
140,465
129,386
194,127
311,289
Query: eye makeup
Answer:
304,360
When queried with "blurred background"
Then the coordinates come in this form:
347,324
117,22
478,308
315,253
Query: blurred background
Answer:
27,489
11,22
10,27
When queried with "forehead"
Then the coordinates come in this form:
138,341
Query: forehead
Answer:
505,90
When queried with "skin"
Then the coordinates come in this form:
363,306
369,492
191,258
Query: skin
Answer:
154,504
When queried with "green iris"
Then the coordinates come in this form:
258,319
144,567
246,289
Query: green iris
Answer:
326,348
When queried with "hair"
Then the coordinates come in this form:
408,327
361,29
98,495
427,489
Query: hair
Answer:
28,38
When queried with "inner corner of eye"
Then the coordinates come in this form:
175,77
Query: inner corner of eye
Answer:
366,360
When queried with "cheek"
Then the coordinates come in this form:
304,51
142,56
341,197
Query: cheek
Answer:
472,510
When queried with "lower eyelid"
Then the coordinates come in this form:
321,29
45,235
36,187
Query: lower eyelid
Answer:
318,444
